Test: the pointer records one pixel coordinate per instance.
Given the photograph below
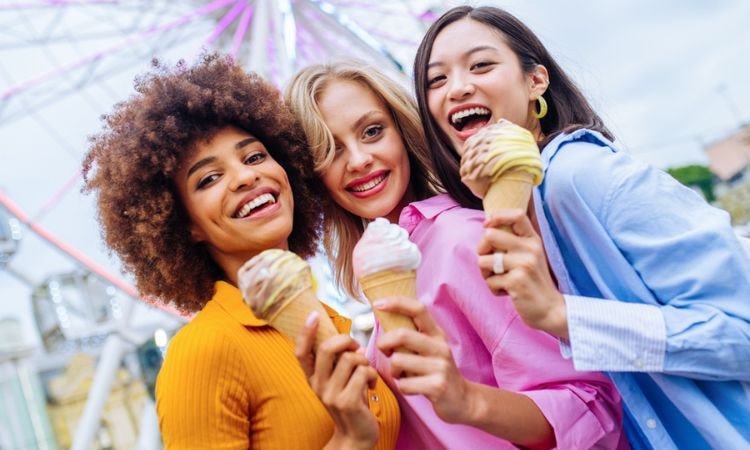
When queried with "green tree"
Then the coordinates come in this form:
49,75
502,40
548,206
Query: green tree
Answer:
695,175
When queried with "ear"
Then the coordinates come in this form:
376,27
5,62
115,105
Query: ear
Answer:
538,81
196,234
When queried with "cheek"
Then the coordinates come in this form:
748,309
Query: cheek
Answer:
433,105
332,179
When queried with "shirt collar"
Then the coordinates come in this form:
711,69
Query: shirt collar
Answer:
229,298
416,212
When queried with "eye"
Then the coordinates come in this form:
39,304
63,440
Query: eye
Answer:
207,180
435,81
372,131
481,65
256,157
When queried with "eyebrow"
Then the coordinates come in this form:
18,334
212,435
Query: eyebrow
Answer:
364,117
238,146
469,52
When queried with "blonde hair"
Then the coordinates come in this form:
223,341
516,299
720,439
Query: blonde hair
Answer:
342,229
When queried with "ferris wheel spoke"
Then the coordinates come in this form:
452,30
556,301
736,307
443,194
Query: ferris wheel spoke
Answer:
92,58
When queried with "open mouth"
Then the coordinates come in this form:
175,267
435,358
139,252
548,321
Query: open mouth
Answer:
256,205
369,185
470,118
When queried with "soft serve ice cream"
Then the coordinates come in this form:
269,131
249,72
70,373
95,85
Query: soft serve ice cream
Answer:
384,246
278,286
502,153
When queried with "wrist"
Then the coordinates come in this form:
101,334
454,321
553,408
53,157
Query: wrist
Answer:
475,407
556,322
339,441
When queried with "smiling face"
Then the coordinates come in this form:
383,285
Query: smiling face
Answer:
369,175
237,197
474,78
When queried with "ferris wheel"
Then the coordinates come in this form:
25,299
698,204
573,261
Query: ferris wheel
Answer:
64,63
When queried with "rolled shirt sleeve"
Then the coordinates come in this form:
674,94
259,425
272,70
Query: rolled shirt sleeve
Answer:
676,275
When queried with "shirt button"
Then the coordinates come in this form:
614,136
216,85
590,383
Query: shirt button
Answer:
638,364
651,424
375,397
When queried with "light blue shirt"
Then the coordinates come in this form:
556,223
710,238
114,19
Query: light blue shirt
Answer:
657,289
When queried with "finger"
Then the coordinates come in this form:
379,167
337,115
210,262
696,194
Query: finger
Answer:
325,358
346,364
413,308
354,394
427,385
498,284
303,348
413,341
405,365
515,219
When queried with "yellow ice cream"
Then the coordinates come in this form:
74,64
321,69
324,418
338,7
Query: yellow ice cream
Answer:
496,150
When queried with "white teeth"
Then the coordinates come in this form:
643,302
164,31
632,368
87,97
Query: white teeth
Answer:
369,185
468,112
254,203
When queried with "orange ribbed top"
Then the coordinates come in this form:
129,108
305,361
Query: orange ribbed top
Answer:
231,381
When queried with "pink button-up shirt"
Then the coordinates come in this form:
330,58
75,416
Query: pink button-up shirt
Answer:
491,344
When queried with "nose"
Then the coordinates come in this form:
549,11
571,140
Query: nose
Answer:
242,176
359,159
460,88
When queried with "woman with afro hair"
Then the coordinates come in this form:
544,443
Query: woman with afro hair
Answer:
172,170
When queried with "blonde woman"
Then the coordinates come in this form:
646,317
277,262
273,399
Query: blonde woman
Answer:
478,376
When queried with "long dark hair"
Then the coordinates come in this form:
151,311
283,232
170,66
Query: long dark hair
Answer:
568,108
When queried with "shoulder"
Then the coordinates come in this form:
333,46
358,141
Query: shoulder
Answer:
451,229
584,160
201,346
585,168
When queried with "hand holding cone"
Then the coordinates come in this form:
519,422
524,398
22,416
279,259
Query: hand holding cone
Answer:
385,263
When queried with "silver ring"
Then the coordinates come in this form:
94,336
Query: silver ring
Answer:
497,263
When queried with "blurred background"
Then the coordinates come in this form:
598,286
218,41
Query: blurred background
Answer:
668,78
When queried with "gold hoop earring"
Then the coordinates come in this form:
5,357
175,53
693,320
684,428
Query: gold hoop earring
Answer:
542,108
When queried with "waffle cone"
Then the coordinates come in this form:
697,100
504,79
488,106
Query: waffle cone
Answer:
512,190
388,283
290,318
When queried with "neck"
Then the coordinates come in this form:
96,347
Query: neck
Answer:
408,197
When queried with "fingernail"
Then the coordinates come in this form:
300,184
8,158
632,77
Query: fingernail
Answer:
311,319
378,304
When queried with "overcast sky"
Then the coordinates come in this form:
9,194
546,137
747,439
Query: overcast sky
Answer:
668,77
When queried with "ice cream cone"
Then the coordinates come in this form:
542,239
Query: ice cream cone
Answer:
512,190
277,285
388,283
290,318
385,262
501,165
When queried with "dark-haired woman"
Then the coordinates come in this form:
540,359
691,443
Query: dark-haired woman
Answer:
635,273
174,171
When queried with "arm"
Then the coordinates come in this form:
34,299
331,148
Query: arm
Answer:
432,372
581,409
339,376
676,299
200,394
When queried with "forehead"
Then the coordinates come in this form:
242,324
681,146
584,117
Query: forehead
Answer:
353,94
225,138
463,35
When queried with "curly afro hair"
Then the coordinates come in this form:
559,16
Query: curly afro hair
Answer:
132,162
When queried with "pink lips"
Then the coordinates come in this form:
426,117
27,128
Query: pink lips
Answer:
465,134
370,192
